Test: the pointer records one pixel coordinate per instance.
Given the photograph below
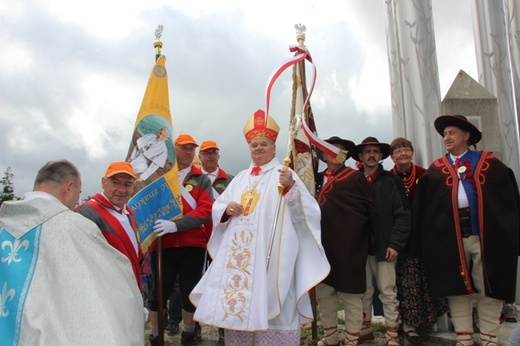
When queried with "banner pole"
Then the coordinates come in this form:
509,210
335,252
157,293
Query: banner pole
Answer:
157,44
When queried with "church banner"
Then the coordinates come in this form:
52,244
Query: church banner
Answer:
152,155
304,160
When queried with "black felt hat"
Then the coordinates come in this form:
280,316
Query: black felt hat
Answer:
461,122
385,148
348,146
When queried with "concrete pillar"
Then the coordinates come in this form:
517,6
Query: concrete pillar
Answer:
414,79
512,9
493,62
467,97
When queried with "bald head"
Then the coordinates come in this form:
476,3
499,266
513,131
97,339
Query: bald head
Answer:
60,179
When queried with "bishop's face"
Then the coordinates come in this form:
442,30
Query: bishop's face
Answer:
262,151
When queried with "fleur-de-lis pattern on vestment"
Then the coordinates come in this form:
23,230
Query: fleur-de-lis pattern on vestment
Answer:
4,296
15,247
18,258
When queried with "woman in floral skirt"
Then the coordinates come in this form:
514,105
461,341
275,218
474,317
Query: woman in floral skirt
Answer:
416,305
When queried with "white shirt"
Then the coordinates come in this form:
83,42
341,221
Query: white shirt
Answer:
462,197
183,173
213,175
122,217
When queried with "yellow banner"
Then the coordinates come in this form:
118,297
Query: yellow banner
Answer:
152,155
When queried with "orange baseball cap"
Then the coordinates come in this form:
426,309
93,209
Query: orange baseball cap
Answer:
208,145
120,167
185,138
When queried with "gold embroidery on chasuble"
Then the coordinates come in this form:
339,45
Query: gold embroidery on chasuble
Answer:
240,260
237,282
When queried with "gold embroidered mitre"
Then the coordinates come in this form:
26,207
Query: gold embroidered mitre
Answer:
259,126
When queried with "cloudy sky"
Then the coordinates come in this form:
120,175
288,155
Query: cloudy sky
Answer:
73,73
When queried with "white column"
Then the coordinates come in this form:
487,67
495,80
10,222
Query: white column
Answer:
513,30
414,77
494,68
394,66
513,35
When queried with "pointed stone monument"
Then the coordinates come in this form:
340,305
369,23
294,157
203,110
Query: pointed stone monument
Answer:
469,98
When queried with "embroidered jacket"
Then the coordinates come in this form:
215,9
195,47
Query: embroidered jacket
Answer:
498,221
346,199
221,181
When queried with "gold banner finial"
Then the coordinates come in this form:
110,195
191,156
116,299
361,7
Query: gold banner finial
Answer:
157,44
300,33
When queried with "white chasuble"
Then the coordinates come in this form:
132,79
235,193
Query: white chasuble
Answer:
238,291
65,284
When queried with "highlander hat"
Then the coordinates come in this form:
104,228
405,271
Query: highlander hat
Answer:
461,122
348,146
385,148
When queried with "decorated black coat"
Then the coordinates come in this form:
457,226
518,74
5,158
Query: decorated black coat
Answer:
440,241
348,228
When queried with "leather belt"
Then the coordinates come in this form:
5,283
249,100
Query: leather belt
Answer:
465,222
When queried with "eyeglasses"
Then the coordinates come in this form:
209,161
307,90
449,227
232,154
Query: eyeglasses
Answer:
209,153
402,151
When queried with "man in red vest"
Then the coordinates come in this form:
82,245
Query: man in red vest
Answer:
108,210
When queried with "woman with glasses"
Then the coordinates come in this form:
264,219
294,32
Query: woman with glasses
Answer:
416,306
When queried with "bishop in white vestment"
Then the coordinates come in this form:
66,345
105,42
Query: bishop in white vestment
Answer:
264,264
